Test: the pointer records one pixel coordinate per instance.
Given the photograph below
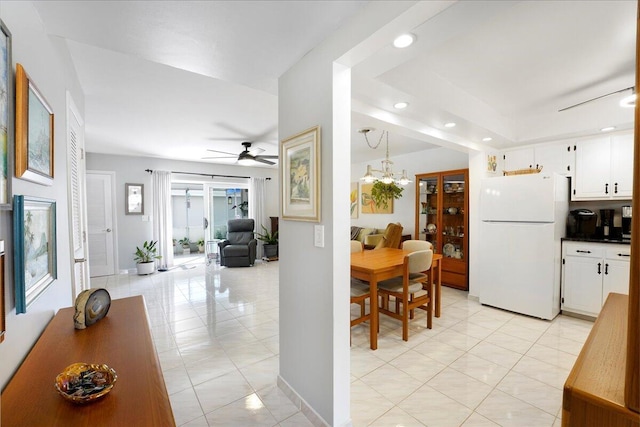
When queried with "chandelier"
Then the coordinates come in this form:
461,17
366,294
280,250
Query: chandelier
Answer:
388,176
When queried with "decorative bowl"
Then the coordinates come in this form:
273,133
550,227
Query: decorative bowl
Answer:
85,382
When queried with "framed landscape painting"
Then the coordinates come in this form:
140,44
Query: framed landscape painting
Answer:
6,117
34,248
300,178
34,132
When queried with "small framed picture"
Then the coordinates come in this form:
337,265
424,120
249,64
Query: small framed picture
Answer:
134,199
301,176
34,248
34,132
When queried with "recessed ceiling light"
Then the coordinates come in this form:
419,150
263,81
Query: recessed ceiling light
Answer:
607,129
404,40
401,105
450,125
629,101
487,139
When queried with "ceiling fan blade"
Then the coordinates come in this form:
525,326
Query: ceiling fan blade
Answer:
223,152
267,156
262,160
597,97
221,157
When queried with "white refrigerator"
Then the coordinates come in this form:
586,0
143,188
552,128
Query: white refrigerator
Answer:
523,218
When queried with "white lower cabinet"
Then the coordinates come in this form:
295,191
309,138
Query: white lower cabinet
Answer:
589,272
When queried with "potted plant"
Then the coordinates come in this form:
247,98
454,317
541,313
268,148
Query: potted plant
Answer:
145,257
381,193
201,245
270,244
185,245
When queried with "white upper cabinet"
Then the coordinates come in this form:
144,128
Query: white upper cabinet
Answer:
555,157
622,165
604,168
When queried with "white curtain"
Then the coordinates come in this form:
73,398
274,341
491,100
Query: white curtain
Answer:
162,217
257,194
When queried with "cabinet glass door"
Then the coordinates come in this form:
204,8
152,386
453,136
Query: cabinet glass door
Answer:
429,211
453,217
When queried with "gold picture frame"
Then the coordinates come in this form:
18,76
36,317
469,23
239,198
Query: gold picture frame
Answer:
34,132
300,176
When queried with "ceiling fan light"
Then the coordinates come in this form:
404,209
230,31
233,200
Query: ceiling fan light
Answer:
245,161
629,101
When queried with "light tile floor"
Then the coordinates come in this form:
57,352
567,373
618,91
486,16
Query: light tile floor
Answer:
216,333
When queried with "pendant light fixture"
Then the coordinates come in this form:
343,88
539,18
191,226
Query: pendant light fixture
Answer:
387,174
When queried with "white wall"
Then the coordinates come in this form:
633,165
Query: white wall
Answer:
314,313
47,63
131,229
427,161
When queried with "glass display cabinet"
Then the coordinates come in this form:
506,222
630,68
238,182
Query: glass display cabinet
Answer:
442,207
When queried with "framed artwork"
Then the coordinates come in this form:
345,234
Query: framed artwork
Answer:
134,199
6,117
34,132
353,196
492,163
369,206
301,176
34,248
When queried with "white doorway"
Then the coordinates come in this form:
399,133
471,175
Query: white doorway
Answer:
77,198
101,223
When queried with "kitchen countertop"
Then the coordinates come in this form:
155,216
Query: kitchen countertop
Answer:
595,240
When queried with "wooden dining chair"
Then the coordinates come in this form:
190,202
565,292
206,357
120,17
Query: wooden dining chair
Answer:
409,294
359,290
418,245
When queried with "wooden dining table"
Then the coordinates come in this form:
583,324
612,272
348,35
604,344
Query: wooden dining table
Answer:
376,265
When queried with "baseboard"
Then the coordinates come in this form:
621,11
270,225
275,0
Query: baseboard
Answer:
313,417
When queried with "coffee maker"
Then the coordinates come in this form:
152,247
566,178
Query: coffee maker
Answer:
626,222
606,222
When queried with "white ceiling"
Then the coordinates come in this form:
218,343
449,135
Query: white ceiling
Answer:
174,79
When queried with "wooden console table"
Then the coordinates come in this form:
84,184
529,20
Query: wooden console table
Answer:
123,341
594,390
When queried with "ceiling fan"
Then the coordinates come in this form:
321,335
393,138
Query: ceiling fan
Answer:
247,156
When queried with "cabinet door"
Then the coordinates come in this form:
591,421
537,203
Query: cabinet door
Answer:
553,158
622,166
518,159
582,285
428,211
593,169
616,277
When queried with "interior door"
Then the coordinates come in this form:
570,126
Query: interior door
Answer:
100,216
77,198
